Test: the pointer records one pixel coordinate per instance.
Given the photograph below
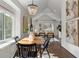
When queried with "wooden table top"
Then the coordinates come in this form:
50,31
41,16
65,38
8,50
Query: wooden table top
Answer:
36,40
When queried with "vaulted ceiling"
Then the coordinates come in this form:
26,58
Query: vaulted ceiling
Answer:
53,5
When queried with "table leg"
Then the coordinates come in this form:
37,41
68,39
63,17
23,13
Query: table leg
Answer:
40,51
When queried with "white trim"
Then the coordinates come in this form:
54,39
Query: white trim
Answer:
48,13
73,19
71,48
4,11
5,43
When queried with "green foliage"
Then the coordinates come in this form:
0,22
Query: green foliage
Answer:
25,30
8,26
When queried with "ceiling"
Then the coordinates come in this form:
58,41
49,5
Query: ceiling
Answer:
53,5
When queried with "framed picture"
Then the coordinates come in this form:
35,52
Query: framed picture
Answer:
25,24
71,9
72,24
72,32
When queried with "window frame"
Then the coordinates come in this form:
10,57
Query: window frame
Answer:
5,11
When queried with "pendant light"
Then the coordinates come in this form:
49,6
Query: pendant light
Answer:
32,8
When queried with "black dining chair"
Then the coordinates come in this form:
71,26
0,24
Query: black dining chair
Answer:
45,46
28,51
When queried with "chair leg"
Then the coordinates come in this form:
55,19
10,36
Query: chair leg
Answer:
48,52
19,52
41,52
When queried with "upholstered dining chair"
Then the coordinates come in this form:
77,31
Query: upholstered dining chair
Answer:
42,34
50,35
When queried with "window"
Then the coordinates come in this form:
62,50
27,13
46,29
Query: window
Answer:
1,26
6,25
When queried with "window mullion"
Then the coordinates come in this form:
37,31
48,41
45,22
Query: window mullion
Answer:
4,26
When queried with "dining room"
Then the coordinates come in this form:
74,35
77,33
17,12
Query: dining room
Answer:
38,29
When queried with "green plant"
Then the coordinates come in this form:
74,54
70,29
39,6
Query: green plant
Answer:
25,30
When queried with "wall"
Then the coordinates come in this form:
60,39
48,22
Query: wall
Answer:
46,17
56,32
46,20
70,47
8,48
23,13
6,6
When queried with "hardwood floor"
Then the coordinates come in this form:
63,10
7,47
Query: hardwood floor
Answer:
59,51
56,50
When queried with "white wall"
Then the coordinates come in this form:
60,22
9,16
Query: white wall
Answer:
70,47
23,13
46,16
46,20
8,7
8,49
56,31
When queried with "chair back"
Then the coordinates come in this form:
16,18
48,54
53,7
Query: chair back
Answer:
46,43
16,38
28,51
36,34
42,34
50,35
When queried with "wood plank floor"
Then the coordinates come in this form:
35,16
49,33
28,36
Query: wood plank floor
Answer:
59,51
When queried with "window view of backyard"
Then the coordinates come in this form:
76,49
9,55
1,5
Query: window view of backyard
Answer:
8,26
1,26
5,26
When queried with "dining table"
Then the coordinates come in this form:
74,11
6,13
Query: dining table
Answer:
39,41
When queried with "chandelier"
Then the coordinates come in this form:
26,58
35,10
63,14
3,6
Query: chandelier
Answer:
32,8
